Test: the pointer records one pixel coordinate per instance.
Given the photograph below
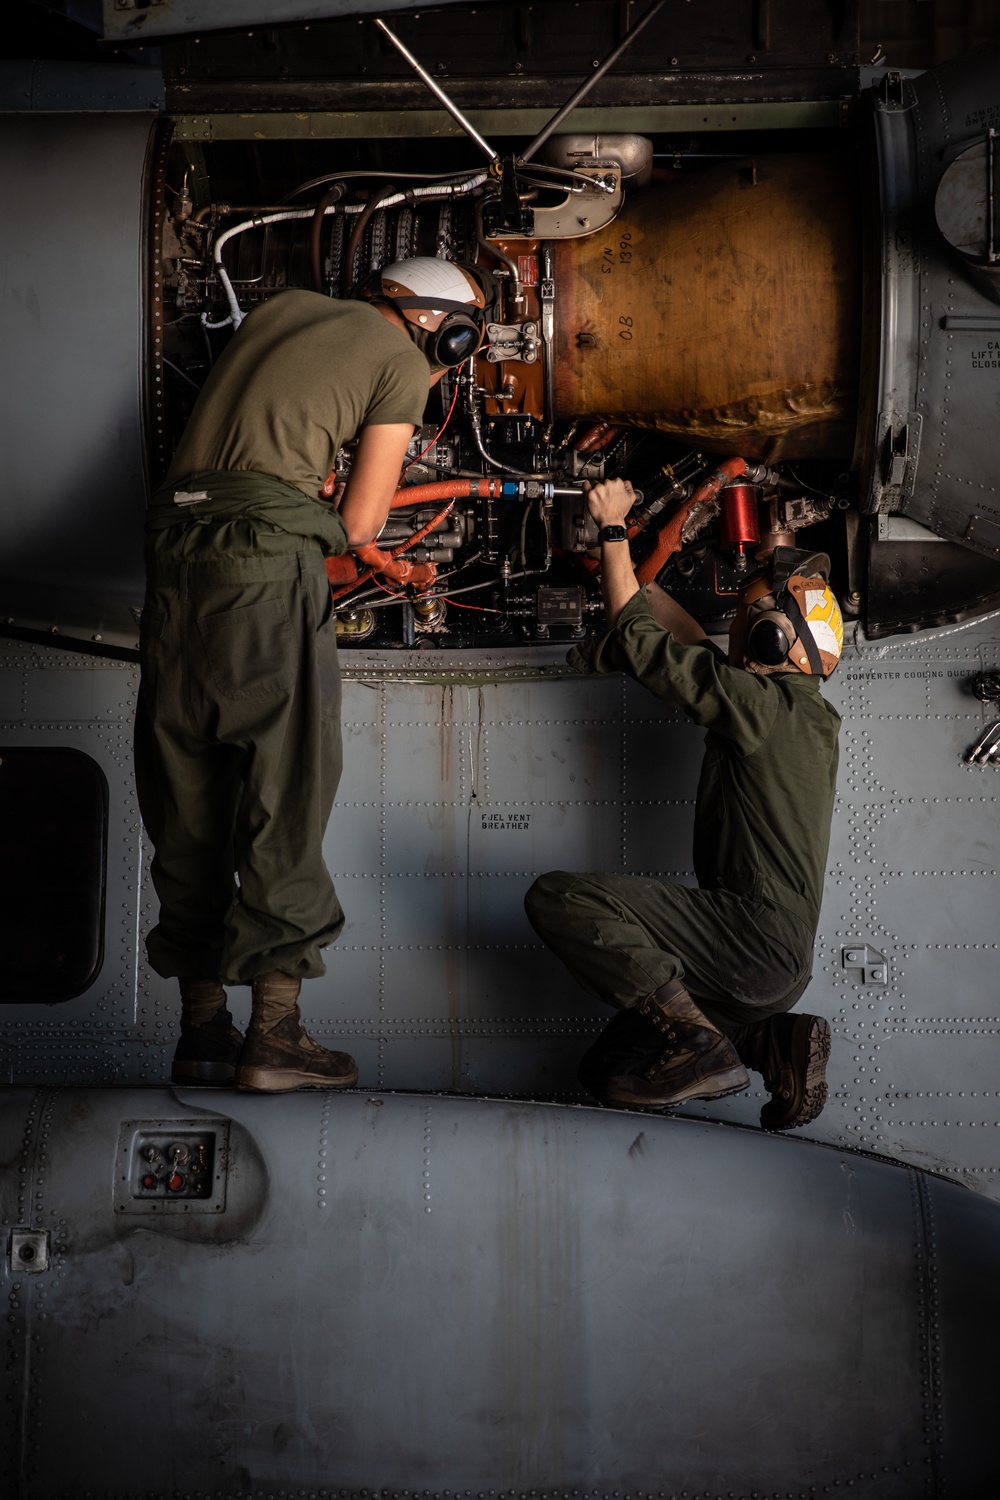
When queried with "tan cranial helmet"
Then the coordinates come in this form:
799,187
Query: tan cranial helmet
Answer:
788,619
442,303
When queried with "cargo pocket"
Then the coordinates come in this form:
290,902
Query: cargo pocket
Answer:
151,626
759,960
251,650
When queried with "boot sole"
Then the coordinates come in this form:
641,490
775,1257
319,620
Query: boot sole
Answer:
285,1080
203,1073
733,1081
815,1090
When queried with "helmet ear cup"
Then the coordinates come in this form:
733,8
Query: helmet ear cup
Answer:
457,338
769,640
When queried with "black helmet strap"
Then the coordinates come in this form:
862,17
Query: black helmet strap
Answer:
806,640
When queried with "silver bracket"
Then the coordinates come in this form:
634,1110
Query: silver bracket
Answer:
547,301
889,94
986,750
512,341
874,966
584,208
29,1251
901,452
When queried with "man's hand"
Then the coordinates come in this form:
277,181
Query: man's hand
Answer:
609,501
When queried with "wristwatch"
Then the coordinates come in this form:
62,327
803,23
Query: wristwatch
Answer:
612,534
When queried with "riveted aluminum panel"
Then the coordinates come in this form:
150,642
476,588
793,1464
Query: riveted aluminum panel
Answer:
439,982
430,1295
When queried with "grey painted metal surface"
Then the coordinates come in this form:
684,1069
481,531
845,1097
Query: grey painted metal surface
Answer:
152,20
464,1296
459,789
939,382
44,85
436,124
71,328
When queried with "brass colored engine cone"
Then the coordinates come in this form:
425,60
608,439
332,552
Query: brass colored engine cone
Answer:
723,308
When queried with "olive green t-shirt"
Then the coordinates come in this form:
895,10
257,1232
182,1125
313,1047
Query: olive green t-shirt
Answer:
765,797
301,377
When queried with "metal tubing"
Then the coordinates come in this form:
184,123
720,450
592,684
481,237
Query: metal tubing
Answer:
583,90
439,92
991,253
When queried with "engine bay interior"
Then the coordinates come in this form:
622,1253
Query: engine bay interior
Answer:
491,513
659,304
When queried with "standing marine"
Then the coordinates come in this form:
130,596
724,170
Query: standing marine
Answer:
704,980
237,742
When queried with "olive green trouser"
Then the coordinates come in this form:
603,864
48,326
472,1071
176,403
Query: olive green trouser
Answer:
238,756
622,936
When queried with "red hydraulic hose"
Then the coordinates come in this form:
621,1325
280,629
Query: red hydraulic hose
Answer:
670,537
597,437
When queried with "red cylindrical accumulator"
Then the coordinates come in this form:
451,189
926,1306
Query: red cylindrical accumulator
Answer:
738,523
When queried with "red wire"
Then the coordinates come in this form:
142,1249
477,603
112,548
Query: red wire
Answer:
437,436
479,608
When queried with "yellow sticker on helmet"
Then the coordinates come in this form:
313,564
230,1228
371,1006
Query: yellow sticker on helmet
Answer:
823,616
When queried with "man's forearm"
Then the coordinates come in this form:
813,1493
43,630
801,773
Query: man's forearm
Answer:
618,581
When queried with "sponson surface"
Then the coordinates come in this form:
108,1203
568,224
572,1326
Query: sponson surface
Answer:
366,1292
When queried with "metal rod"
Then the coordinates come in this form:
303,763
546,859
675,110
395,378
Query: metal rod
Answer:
588,83
991,253
439,93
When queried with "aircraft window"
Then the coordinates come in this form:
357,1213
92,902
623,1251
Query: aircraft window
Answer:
53,862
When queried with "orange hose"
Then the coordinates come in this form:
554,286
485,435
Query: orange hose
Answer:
668,540
391,566
597,437
342,569
446,489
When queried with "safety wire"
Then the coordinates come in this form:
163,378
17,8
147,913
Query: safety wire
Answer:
469,588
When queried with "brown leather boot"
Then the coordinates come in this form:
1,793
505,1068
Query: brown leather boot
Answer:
627,1043
693,1060
791,1052
278,1055
210,1044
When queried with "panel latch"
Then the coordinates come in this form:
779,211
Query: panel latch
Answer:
874,966
29,1250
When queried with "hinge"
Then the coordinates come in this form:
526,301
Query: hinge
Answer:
890,90
901,452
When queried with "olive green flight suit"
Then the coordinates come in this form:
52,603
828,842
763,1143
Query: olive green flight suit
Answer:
237,742
743,942
238,749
